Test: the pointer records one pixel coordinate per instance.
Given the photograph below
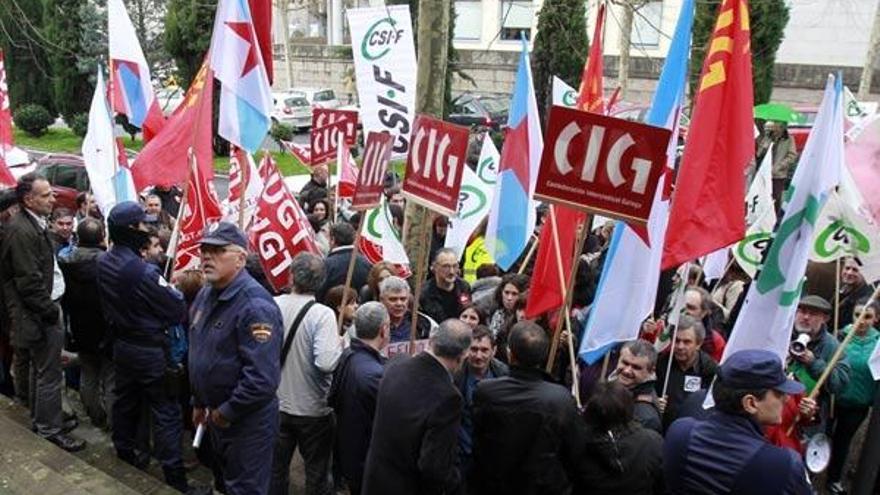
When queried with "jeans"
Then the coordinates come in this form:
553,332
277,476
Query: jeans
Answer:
314,437
40,368
846,422
96,386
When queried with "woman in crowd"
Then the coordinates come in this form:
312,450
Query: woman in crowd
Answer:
320,216
506,295
379,272
333,299
472,315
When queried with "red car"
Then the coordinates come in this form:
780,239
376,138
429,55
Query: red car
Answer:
799,132
67,174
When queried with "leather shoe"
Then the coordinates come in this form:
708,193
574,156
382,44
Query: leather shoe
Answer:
199,490
69,424
67,442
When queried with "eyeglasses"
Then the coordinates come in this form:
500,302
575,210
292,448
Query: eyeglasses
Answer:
208,249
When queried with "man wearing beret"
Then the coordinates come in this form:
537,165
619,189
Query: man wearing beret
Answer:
727,453
235,344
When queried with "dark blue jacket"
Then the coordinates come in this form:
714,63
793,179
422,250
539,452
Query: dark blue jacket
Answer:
336,264
137,301
235,348
729,454
353,398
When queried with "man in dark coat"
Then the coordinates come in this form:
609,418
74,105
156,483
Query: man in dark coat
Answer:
853,288
354,390
31,291
415,434
635,371
89,329
445,294
528,437
336,263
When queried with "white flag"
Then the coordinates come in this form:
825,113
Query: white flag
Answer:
379,232
842,231
760,218
563,94
767,315
475,199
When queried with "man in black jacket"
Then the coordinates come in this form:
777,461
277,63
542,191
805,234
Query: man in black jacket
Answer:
415,434
528,437
336,263
31,290
354,390
445,294
635,371
90,335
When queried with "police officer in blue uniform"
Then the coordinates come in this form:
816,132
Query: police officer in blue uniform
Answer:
235,347
140,306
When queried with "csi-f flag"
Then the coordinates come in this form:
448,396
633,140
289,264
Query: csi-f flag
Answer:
767,315
477,191
760,218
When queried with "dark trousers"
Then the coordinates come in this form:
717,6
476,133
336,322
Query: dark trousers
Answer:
140,381
846,422
96,386
241,454
314,437
39,367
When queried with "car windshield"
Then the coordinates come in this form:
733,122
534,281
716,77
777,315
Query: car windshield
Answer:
298,101
325,95
494,105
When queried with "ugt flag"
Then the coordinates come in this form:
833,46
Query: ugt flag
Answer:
767,315
245,96
132,92
512,217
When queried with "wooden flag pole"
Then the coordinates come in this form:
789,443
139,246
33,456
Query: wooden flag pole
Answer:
348,275
836,318
245,171
529,254
567,293
676,313
175,235
420,278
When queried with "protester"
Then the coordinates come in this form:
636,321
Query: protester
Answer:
506,295
90,333
729,293
854,402
341,250
748,394
692,369
418,412
699,304
355,387
235,342
636,371
61,230
333,300
379,272
156,216
170,197
321,219
480,365
445,294
484,287
472,315
86,207
811,320
527,434
394,293
140,306
621,456
853,288
32,286
315,188
783,160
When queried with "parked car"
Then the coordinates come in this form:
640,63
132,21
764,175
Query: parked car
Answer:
471,109
291,109
67,175
317,97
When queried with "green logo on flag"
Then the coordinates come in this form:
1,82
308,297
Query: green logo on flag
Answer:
751,249
371,224
379,38
487,165
464,195
839,235
569,98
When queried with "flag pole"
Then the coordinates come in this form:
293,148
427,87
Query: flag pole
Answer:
529,255
355,251
245,170
567,293
673,320
420,277
836,318
175,235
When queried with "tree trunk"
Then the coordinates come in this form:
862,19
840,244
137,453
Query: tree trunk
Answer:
433,32
281,7
626,25
868,69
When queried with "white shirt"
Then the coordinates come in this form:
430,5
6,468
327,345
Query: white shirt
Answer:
57,276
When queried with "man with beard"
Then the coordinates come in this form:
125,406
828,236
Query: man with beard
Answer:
635,371
853,288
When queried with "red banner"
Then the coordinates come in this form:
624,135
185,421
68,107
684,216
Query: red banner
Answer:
370,184
601,164
326,126
280,230
322,117
202,209
435,164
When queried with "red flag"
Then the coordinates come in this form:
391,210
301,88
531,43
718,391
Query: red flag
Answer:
302,152
707,211
202,209
347,172
164,160
280,229
261,15
546,291
6,177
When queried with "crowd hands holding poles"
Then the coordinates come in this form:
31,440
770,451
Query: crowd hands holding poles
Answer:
253,375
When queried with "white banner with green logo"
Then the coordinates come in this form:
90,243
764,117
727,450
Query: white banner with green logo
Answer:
760,219
385,67
841,231
475,198
563,94
378,230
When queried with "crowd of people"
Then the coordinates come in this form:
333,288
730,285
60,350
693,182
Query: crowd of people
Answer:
265,374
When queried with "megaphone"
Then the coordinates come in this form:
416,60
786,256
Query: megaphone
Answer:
799,346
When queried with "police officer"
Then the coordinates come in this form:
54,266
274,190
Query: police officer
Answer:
140,306
235,347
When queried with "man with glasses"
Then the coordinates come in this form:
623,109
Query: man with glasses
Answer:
446,294
235,344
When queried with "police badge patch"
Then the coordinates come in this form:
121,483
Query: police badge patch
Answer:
261,332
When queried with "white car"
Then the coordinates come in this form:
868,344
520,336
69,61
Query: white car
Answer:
292,109
317,97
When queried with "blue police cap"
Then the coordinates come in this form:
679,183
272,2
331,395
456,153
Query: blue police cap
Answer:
756,369
126,213
224,234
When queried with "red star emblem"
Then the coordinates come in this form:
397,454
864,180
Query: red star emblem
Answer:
244,31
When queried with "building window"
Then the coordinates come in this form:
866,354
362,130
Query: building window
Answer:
647,24
516,20
468,20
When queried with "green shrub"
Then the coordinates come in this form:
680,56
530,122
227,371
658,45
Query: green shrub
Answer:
33,119
79,124
281,132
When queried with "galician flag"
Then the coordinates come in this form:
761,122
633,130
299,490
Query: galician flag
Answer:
760,218
628,284
132,92
767,315
512,216
477,190
245,97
